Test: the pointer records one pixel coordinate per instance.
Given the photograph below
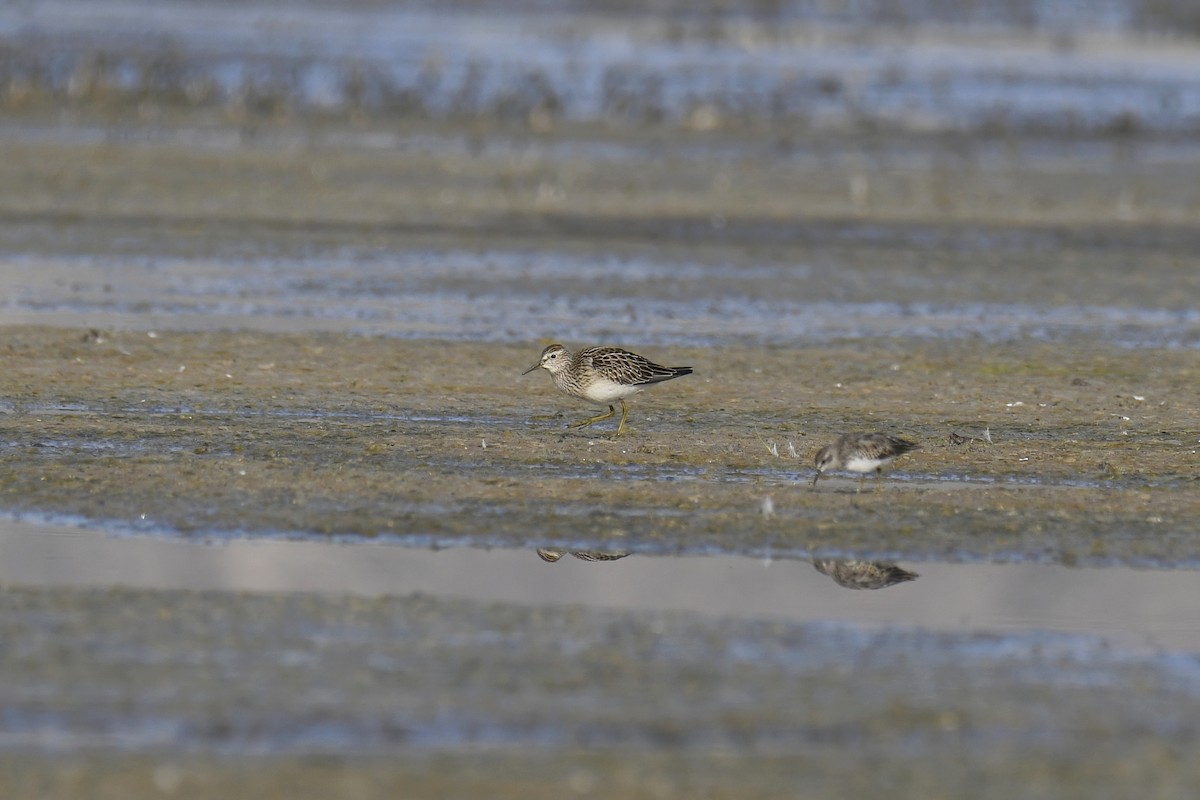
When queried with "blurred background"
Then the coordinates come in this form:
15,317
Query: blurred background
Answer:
993,68
291,163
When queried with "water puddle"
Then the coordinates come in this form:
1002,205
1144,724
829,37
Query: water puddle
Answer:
466,295
1128,608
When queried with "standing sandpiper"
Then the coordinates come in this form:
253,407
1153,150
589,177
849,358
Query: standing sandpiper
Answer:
861,452
602,375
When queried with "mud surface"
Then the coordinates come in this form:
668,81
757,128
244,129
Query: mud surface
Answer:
1091,457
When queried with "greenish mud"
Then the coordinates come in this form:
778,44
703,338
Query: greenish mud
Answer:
568,184
1090,459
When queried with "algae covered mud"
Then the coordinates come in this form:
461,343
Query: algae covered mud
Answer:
1064,452
274,272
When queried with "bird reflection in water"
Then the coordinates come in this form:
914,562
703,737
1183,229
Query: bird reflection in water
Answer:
863,574
552,554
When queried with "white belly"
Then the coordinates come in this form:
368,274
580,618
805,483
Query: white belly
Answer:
603,391
865,464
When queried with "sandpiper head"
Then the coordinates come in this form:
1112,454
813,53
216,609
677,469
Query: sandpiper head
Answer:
825,459
555,358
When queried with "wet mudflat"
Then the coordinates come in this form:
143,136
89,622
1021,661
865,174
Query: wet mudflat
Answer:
274,274
1090,457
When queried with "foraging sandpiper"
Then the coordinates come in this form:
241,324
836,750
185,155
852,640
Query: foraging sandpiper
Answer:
602,375
861,452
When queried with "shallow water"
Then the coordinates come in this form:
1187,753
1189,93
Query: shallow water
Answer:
266,653
501,295
1127,608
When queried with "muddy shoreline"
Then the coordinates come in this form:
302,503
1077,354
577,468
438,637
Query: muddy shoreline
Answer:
248,434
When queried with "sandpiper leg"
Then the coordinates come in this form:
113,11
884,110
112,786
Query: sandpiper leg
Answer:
599,418
624,416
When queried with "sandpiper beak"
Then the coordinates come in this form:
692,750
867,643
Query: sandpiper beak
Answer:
531,369
816,478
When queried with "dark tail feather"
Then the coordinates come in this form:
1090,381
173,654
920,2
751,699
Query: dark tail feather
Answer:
672,372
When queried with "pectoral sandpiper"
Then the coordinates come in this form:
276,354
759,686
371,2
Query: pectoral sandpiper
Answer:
602,375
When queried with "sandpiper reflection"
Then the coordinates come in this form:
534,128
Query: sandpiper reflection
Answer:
552,554
863,574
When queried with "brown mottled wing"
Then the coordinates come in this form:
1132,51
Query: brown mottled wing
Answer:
881,446
627,368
